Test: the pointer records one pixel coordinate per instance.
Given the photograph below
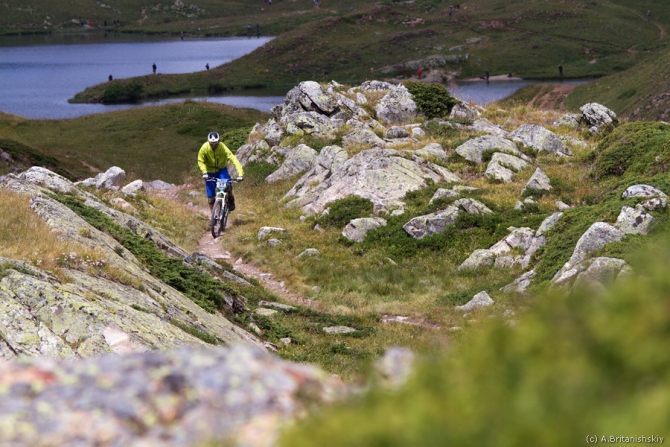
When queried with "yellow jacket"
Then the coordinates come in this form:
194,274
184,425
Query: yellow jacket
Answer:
212,161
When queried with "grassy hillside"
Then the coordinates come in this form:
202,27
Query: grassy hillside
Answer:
642,92
350,42
147,142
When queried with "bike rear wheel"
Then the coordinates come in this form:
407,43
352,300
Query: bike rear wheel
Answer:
215,220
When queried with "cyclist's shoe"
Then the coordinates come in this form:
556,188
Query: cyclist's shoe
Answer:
231,203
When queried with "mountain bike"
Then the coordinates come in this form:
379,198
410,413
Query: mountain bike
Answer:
220,209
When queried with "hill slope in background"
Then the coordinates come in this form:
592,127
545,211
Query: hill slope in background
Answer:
347,41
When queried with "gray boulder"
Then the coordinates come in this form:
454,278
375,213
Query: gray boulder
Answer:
478,258
383,176
432,151
520,284
601,271
309,253
396,132
483,125
357,229
258,152
397,106
548,223
375,86
634,220
595,117
309,123
314,97
443,193
300,159
596,237
463,112
570,120
472,206
503,166
482,299
264,232
642,191
429,224
472,150
540,139
133,187
361,134
538,182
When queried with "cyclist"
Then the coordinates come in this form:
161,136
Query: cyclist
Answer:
213,158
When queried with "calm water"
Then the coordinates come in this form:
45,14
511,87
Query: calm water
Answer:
38,75
483,93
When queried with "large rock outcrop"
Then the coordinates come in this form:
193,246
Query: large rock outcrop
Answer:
110,305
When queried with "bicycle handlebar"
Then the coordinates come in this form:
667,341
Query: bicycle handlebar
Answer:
214,179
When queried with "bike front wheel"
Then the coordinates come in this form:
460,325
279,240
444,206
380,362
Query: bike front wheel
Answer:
215,221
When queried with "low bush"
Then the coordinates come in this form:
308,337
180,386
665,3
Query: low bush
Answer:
344,210
434,100
122,92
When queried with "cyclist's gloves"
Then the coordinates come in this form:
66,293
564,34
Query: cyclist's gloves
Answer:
205,176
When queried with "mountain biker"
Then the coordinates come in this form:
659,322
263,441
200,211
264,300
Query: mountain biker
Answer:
213,158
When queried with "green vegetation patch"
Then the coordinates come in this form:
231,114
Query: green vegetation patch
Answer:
571,367
26,155
342,211
122,92
638,148
434,100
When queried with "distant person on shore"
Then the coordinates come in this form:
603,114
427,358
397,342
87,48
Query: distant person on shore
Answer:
153,66
419,73
258,29
249,28
648,14
560,70
487,76
207,66
111,78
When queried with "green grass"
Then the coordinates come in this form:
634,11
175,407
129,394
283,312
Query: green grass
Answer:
573,366
149,143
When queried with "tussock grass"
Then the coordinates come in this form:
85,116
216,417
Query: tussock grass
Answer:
25,236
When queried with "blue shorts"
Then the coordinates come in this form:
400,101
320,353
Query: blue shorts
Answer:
211,186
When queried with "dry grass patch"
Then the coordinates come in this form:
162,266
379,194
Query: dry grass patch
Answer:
26,237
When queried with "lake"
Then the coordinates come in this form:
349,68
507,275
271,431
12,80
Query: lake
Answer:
38,74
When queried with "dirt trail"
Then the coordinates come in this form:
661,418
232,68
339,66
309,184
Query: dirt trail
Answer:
554,99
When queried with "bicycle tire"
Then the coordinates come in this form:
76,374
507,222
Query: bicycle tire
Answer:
214,221
224,218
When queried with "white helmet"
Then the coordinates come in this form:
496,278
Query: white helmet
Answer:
213,137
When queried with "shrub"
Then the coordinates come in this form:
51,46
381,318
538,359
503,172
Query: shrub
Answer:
122,92
641,148
344,210
255,173
235,138
434,100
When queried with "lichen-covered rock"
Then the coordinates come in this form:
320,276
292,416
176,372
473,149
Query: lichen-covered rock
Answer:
396,132
596,237
432,151
311,123
642,191
520,284
361,134
503,166
264,232
472,150
482,299
299,159
539,181
570,120
133,187
548,223
540,139
483,125
397,106
634,220
383,176
186,397
603,271
479,258
258,152
443,193
596,117
463,112
472,206
375,86
357,228
434,223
